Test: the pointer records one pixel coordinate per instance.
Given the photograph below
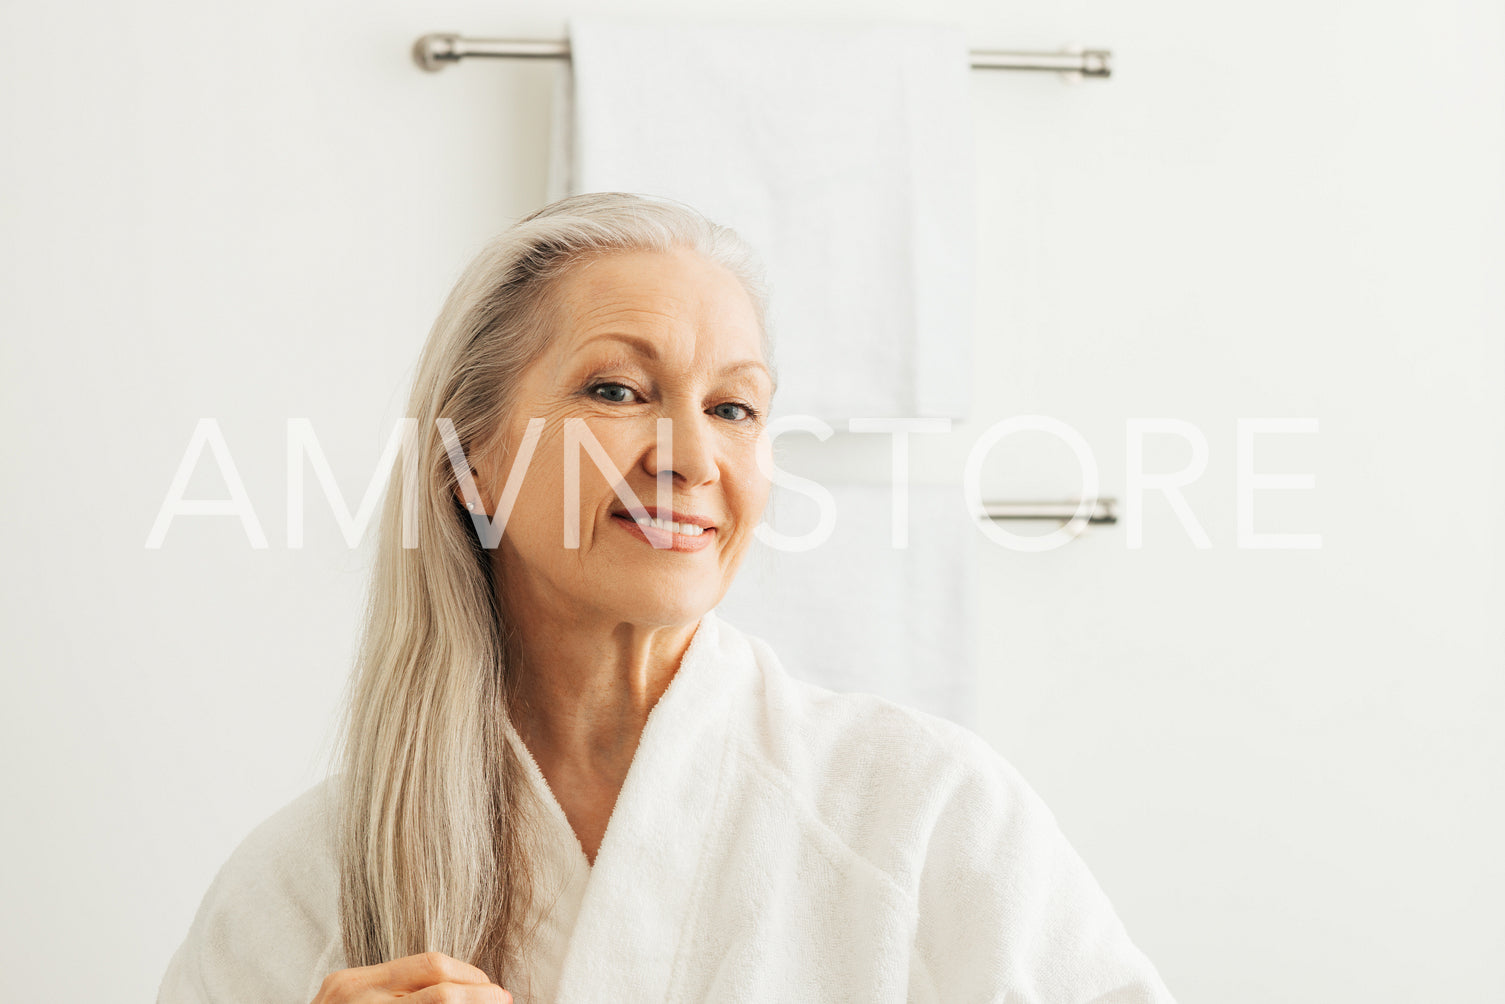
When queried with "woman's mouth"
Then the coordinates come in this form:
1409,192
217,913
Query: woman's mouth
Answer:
666,534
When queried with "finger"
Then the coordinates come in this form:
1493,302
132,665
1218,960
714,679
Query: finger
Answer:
415,972
461,993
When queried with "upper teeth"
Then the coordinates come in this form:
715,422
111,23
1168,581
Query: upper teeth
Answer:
688,529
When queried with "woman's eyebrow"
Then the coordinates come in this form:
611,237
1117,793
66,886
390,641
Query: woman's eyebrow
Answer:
757,364
645,346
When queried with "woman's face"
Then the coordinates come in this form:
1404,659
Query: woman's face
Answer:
640,336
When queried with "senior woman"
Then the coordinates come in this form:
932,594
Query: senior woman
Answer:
564,777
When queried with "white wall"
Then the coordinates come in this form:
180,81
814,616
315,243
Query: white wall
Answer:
1282,765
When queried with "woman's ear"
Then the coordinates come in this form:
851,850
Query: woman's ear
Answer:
473,500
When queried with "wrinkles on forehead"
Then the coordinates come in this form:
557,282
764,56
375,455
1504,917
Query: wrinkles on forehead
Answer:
677,309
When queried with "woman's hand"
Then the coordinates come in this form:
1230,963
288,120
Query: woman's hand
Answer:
429,978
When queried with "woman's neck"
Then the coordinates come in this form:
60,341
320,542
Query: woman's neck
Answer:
583,693
585,687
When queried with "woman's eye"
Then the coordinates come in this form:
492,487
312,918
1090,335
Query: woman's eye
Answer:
734,412
616,393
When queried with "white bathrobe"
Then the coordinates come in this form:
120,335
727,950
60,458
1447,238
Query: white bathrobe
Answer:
773,840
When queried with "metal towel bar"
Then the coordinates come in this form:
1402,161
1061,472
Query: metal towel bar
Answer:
1104,510
434,52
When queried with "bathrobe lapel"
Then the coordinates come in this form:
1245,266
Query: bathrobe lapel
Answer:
638,898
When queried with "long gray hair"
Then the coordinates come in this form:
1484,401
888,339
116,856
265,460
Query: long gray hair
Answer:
434,850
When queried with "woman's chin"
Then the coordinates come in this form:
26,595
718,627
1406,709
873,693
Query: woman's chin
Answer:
674,610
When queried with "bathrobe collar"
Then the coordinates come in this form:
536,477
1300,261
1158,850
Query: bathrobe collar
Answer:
647,866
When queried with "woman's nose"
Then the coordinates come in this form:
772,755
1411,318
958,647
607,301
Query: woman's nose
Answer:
683,445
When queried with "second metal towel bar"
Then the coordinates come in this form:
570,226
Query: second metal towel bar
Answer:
434,52
1103,510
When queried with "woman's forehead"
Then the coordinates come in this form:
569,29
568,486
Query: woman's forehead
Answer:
657,305
652,285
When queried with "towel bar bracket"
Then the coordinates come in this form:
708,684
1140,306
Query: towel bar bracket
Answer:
435,51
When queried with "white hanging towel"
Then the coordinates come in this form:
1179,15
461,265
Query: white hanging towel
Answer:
772,841
842,153
857,614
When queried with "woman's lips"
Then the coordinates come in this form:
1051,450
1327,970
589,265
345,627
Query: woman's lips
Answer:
665,540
